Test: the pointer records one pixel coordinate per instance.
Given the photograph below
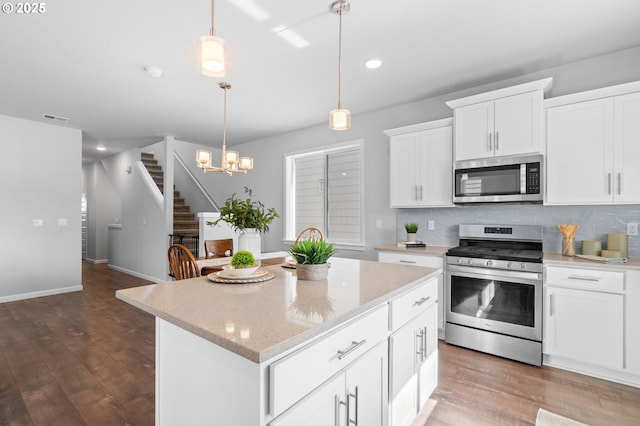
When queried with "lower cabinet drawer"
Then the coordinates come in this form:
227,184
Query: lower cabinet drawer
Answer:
411,259
297,374
412,303
585,279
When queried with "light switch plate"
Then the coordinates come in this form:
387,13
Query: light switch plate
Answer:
632,229
38,223
431,225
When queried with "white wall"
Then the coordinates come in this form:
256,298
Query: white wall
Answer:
103,208
40,178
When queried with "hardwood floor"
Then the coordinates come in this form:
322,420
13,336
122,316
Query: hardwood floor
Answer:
88,358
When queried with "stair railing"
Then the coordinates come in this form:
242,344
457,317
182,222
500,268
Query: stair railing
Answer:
196,183
150,184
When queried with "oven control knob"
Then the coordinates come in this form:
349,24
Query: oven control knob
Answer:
509,265
523,266
460,261
489,262
469,261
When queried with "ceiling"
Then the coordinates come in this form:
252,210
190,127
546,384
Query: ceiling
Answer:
85,60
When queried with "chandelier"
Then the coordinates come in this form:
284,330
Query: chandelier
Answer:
231,160
340,119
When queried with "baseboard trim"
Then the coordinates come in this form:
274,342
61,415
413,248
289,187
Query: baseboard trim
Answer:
137,274
96,261
34,294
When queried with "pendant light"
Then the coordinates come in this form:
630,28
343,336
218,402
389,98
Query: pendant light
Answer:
231,160
339,118
212,58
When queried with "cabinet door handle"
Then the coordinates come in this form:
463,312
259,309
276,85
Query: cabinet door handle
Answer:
355,417
421,193
551,305
424,346
608,183
497,142
415,193
337,403
489,140
420,351
421,301
578,277
354,345
619,183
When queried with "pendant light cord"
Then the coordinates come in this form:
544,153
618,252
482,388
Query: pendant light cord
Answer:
213,31
340,59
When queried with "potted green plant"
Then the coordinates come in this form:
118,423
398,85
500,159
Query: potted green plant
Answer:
311,257
249,217
412,229
243,263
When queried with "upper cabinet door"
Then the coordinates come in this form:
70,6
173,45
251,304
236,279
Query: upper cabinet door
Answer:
579,153
474,131
518,124
627,148
435,167
404,190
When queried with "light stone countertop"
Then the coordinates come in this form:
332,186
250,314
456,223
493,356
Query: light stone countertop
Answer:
260,321
558,259
427,251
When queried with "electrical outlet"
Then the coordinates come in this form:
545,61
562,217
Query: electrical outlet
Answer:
378,224
632,229
431,225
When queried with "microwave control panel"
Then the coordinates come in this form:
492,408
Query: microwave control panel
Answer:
533,178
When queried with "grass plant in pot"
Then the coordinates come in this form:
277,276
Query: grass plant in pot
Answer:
243,264
311,257
249,217
412,229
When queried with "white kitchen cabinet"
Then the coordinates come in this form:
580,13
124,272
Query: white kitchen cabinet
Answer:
590,323
421,165
421,260
357,395
413,369
592,147
500,123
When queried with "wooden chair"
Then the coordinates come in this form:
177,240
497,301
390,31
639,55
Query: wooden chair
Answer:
311,233
218,248
182,263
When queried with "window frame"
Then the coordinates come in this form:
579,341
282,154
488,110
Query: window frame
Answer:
289,190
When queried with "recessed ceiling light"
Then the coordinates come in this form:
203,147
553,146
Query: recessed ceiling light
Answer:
251,8
101,148
290,36
373,63
153,71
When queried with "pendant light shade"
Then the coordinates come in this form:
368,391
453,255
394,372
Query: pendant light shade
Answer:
212,62
212,56
230,160
339,118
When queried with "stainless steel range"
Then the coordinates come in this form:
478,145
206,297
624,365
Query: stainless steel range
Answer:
494,291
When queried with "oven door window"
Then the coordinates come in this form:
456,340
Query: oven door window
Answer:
497,180
507,302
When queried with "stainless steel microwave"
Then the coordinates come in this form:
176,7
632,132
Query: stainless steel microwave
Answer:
500,179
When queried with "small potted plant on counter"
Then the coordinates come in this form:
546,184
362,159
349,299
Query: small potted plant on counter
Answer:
311,257
243,264
412,229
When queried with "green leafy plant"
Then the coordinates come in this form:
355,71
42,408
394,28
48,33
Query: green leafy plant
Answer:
411,228
312,252
246,213
243,259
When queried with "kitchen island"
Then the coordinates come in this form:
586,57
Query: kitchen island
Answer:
267,353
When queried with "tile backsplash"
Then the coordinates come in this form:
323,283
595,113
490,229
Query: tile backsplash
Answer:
595,222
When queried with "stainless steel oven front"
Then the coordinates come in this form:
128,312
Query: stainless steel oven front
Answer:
494,310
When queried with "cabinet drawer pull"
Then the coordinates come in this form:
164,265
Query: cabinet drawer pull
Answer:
577,277
407,261
354,345
421,301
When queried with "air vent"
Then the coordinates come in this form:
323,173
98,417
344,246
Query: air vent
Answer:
54,117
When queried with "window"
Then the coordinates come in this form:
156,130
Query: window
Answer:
324,190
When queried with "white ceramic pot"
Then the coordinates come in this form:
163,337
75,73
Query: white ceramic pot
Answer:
250,240
411,236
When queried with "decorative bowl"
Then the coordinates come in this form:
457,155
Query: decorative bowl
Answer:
240,272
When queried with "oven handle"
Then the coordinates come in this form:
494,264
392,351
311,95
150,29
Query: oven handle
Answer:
494,273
